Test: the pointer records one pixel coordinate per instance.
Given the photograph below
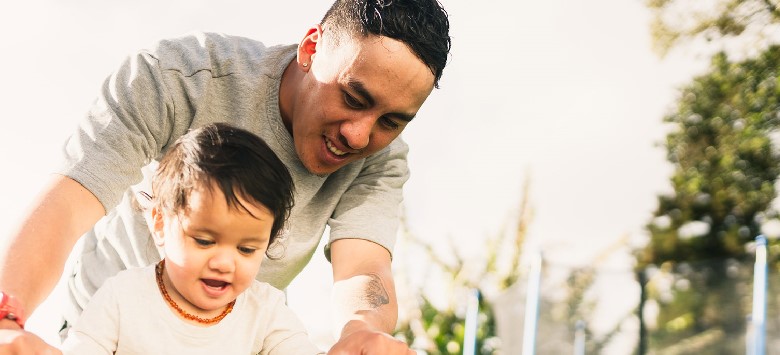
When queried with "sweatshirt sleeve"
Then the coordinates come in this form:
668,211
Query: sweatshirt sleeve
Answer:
370,208
127,126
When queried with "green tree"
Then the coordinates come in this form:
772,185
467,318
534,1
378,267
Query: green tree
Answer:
724,182
725,171
725,166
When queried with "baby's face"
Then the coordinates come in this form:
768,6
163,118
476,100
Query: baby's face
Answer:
213,251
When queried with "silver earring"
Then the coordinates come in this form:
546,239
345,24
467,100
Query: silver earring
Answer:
305,65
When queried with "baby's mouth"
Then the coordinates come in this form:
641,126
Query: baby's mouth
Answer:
215,283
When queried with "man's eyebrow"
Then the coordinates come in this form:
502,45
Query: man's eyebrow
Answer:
361,90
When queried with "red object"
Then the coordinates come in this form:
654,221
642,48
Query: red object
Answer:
10,308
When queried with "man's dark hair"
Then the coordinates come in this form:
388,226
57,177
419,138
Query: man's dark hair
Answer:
421,24
236,160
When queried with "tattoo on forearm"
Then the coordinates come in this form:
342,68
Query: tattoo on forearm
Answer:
376,295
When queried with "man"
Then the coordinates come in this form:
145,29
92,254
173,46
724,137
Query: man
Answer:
331,107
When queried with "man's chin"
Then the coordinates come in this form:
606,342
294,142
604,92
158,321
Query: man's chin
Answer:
322,166
323,171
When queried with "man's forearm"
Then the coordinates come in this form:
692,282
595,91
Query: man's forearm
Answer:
32,261
365,301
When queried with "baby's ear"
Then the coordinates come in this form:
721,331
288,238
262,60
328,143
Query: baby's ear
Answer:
158,227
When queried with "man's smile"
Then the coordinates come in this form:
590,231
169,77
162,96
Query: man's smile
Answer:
332,148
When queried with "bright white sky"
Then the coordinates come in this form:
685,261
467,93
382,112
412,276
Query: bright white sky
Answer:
566,92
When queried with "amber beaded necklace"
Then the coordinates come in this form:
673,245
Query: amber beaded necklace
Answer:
158,271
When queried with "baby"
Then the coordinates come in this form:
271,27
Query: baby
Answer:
221,196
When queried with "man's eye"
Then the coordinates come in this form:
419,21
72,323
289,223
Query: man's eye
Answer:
203,242
389,123
246,250
351,101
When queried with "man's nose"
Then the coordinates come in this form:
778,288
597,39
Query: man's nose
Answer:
356,132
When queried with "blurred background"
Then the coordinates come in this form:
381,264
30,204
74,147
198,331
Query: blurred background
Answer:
630,142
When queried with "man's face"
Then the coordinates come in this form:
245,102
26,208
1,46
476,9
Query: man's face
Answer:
354,99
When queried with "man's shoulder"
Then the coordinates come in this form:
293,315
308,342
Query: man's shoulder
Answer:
397,150
220,53
198,41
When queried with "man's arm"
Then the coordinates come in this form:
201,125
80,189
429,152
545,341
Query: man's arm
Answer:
364,299
33,259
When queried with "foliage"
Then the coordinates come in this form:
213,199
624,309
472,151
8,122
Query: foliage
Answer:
675,22
437,329
721,146
440,330
702,307
725,166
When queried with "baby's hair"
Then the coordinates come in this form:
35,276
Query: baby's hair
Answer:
236,160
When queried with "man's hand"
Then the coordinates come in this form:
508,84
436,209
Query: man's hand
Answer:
16,341
366,341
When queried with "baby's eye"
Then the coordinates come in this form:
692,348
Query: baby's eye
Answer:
203,242
247,250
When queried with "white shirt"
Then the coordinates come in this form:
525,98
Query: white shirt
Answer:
128,315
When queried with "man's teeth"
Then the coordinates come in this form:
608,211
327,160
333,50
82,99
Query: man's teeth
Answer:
333,149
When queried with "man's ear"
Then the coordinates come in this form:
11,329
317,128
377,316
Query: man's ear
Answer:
158,227
308,47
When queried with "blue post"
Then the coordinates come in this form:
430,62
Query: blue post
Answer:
472,317
579,338
532,306
749,335
758,318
